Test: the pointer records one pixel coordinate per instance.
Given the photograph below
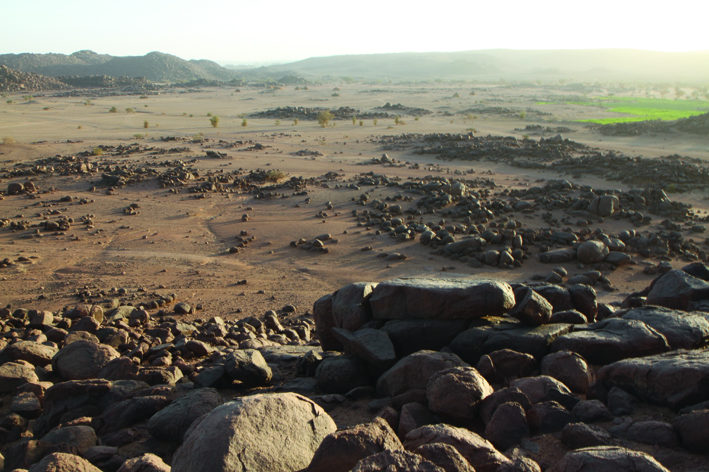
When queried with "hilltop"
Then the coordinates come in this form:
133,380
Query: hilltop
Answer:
154,66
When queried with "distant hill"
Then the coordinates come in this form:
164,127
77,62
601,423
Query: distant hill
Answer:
508,64
154,66
15,81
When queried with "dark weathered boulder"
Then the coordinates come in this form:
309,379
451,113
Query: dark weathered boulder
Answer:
693,429
607,459
409,336
569,368
373,346
544,388
591,252
508,426
558,297
61,462
675,379
258,433
677,289
121,368
503,366
16,374
415,371
454,394
248,367
171,423
340,451
340,374
612,340
569,316
478,452
584,298
444,299
473,343
621,403
413,416
559,256
492,402
647,432
350,305
531,308
683,330
32,352
548,417
580,435
82,360
396,461
591,411
131,411
444,456
324,322
81,437
145,463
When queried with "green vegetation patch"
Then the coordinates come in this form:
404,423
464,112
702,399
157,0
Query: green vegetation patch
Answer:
642,109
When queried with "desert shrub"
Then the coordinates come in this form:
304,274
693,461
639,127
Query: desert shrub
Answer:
138,136
244,123
97,151
79,127
336,89
295,121
146,124
209,114
113,110
214,121
9,140
278,122
354,120
672,188
375,121
522,115
361,122
335,94
456,95
416,119
525,136
130,110
45,108
324,118
397,119
274,175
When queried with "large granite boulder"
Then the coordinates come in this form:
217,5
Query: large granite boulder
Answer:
611,340
480,453
677,290
258,433
443,299
454,394
683,330
171,423
415,371
340,451
675,379
82,360
373,346
607,459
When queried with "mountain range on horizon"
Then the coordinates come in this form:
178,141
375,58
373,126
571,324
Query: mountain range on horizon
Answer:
492,64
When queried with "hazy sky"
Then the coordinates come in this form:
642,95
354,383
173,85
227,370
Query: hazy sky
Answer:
285,30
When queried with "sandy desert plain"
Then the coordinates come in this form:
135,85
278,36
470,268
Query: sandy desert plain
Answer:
176,241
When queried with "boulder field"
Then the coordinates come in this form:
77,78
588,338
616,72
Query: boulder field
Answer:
458,374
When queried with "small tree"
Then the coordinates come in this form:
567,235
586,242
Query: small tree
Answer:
113,110
375,121
397,119
295,121
324,118
214,121
361,122
244,123
522,115
146,124
130,110
354,120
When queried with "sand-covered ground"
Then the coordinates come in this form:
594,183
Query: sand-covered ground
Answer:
178,242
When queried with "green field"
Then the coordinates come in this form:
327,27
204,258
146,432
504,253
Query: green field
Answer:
643,109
